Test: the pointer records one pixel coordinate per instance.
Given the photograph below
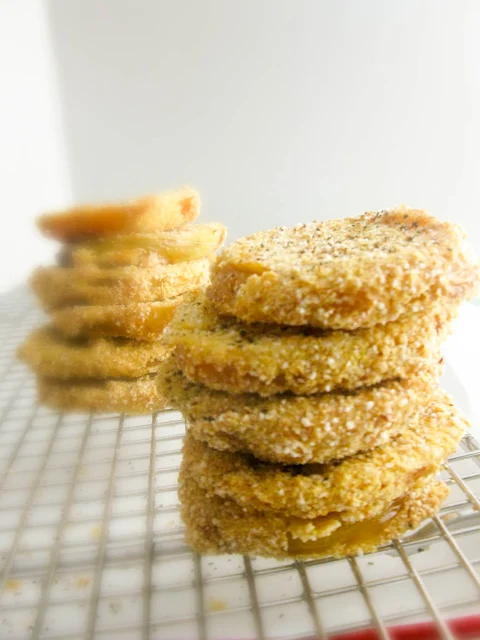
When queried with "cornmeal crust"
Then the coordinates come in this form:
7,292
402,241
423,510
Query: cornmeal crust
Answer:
240,358
345,274
138,320
214,525
297,429
147,250
137,396
58,287
161,212
353,485
50,355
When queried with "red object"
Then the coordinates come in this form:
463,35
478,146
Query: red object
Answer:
467,628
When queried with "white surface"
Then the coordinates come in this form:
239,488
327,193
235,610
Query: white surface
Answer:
278,111
462,354
34,173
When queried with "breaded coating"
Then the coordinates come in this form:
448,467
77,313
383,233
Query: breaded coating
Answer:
215,525
50,355
161,212
147,250
138,320
136,396
268,359
297,429
351,485
58,287
345,274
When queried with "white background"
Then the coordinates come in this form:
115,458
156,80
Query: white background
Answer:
277,111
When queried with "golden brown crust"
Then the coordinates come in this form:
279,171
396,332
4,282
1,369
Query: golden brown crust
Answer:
235,357
161,212
136,397
139,320
148,250
214,525
297,429
349,485
50,355
58,287
344,274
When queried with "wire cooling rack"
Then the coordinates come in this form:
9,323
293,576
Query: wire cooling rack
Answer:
91,543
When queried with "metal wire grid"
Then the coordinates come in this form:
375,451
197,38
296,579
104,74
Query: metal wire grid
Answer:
91,544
